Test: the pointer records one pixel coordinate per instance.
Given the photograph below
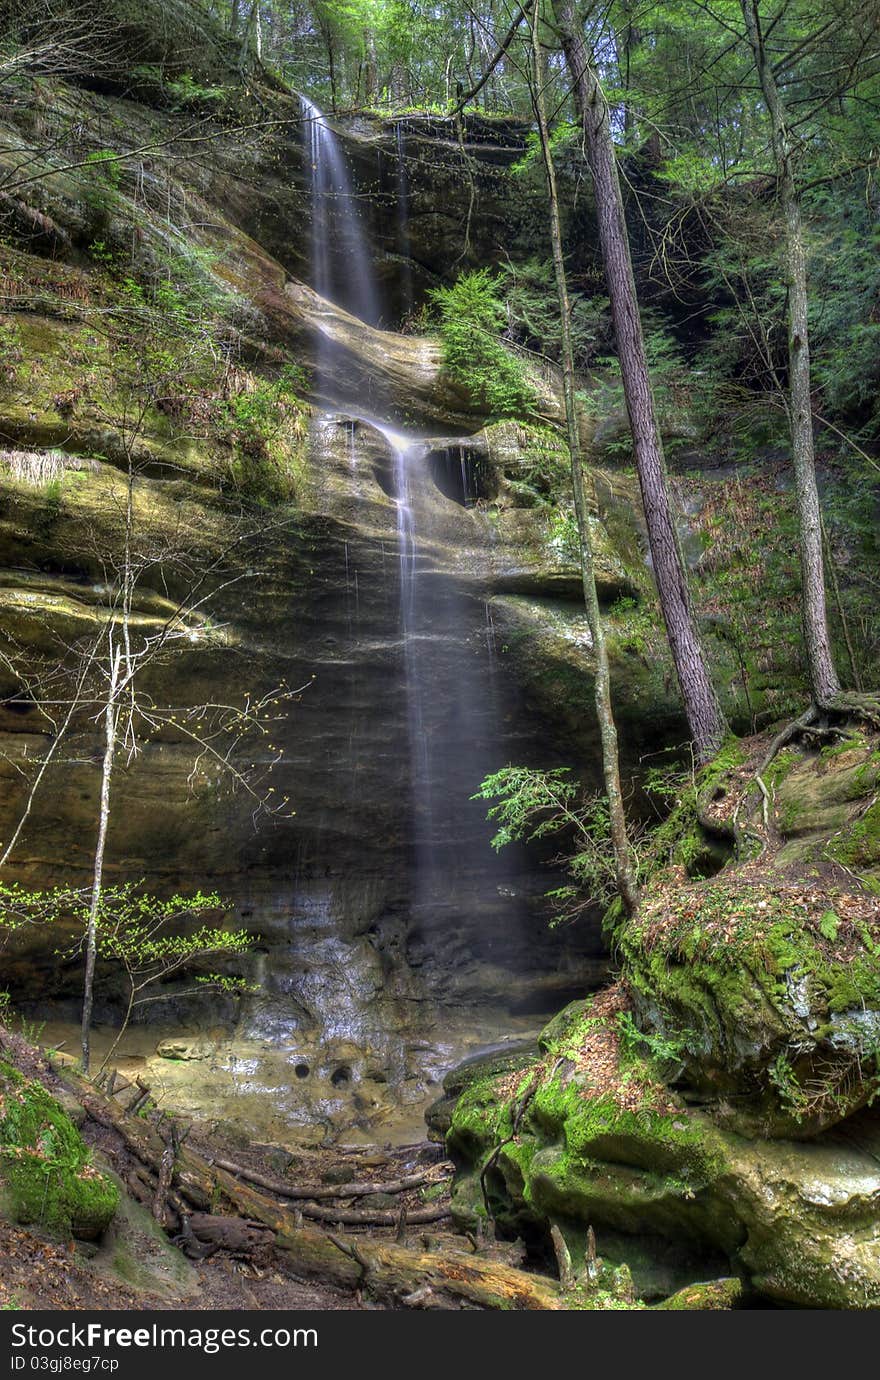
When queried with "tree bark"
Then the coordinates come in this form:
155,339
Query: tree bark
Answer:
824,680
371,68
623,860
705,719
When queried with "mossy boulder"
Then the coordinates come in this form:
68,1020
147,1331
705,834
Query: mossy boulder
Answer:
480,1067
810,1214
46,1173
707,1296
768,992
588,1137
826,807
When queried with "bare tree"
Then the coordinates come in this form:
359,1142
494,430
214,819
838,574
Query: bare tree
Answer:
106,673
704,715
625,872
820,656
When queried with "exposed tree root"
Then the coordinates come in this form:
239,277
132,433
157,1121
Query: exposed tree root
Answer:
787,735
519,1112
354,1217
844,708
861,707
353,1190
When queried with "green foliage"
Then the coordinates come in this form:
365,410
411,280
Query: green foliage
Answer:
109,163
530,803
256,422
187,94
563,533
101,176
132,928
179,90
536,804
20,906
684,397
472,317
532,310
540,474
793,1096
46,1170
660,1049
563,133
151,939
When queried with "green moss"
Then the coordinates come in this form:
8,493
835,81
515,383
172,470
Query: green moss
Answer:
751,981
858,844
710,1296
598,1127
783,763
620,1154
681,841
47,1175
565,1025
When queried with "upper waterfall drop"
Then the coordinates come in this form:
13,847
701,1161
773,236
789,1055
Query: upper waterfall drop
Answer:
342,267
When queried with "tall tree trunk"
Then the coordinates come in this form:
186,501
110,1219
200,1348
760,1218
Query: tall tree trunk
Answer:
331,66
371,68
705,719
820,658
251,35
623,858
111,713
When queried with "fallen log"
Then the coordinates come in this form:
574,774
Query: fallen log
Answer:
353,1217
282,1189
399,1275
203,1234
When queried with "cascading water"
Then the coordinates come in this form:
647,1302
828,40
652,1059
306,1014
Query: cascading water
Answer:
453,708
448,690
342,270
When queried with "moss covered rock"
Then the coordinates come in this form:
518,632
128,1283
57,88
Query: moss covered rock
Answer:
826,808
709,1296
45,1169
480,1068
768,991
587,1137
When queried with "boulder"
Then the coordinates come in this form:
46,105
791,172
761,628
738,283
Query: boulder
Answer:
588,1136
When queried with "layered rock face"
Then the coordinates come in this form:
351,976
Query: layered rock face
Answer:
425,642
388,938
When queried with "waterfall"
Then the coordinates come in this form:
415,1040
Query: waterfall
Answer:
342,267
454,702
450,694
